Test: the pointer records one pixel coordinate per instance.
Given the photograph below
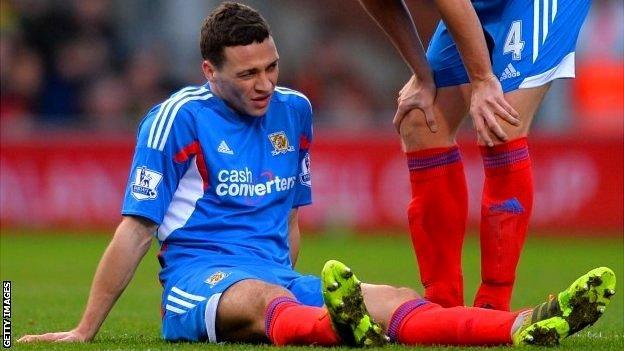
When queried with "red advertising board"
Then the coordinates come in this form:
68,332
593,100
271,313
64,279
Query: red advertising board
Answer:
358,181
364,181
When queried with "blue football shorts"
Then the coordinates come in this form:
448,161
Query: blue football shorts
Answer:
190,302
531,42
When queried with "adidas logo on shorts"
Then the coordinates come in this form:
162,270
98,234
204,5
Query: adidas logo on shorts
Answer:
510,72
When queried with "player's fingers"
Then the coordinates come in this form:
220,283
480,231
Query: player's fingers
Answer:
507,106
26,338
505,115
68,338
50,336
402,91
33,338
493,126
430,118
481,130
507,112
398,118
407,85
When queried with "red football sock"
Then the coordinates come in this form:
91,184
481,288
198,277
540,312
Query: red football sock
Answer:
419,322
288,322
437,221
505,211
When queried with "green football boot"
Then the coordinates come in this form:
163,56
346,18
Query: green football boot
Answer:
345,303
573,309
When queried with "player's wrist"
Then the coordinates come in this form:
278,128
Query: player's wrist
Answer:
423,76
84,333
422,83
483,79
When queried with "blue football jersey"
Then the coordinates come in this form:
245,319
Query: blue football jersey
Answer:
219,184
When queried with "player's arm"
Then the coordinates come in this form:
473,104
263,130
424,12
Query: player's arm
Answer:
122,256
487,100
396,21
294,235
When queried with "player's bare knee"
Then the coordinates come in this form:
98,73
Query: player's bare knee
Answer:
526,102
413,127
416,135
520,132
413,123
512,134
240,315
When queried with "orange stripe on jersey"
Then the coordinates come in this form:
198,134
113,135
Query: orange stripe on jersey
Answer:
194,149
304,143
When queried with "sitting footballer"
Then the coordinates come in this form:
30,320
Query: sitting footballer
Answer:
219,173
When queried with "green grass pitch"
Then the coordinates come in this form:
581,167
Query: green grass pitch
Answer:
51,275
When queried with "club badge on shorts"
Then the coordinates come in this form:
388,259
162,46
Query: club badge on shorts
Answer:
145,183
215,278
280,143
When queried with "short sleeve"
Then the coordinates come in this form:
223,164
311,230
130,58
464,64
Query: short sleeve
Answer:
158,163
303,189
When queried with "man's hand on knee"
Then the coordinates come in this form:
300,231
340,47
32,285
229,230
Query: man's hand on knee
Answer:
487,101
416,94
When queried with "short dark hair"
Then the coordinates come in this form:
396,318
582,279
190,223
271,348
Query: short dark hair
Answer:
231,24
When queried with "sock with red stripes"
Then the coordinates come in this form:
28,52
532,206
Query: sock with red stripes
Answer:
288,322
505,211
419,322
437,221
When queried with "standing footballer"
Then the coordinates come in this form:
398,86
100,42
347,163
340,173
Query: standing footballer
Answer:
218,175
479,51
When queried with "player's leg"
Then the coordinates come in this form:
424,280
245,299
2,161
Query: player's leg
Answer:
532,45
439,204
450,108
409,318
255,311
241,311
414,320
242,304
381,300
580,305
507,202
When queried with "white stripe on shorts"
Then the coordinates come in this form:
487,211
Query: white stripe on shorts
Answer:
174,309
545,22
536,13
565,69
210,317
554,11
187,295
180,301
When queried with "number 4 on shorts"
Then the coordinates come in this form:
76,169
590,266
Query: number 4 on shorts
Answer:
514,42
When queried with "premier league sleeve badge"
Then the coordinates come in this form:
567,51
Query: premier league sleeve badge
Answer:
305,177
145,183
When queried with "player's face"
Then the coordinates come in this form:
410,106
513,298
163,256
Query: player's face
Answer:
247,78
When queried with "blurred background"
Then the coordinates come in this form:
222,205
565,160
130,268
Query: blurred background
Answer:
77,77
